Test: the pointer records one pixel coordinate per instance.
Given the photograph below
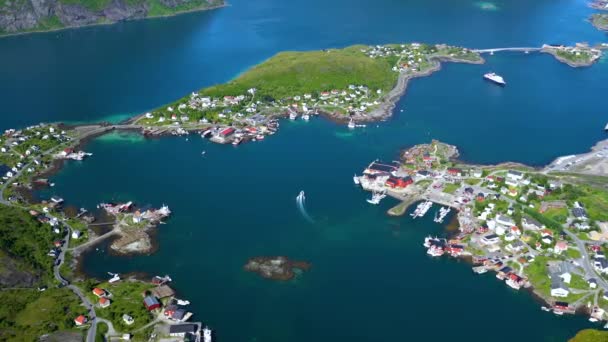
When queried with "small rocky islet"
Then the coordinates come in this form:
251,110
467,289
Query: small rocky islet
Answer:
278,268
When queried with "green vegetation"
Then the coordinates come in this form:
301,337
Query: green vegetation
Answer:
450,188
590,335
573,253
537,274
423,183
93,5
290,73
559,215
50,23
25,240
472,181
158,9
102,330
127,298
27,314
600,20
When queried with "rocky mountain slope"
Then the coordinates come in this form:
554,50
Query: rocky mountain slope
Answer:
42,15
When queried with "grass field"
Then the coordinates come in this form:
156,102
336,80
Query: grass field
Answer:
296,73
590,335
127,298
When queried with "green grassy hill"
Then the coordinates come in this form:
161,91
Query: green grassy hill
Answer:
289,73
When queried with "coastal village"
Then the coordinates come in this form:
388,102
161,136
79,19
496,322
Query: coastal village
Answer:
131,308
533,228
251,115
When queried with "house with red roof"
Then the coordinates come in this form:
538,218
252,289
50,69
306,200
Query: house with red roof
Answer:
80,320
99,292
104,302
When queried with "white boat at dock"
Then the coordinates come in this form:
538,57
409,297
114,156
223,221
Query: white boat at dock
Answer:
422,209
306,117
207,335
293,115
206,133
544,308
443,211
480,269
351,124
376,197
114,278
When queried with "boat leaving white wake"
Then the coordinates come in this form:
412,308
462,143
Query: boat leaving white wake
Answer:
300,200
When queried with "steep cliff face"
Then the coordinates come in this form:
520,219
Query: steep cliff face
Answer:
42,15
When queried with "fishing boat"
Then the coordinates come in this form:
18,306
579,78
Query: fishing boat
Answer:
376,198
207,336
206,133
356,180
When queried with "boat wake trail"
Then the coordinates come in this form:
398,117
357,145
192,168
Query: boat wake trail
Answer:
300,200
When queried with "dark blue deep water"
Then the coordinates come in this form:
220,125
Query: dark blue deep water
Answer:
371,280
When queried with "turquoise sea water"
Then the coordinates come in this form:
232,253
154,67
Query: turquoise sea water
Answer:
371,279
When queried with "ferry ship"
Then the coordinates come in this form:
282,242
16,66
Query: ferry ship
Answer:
495,78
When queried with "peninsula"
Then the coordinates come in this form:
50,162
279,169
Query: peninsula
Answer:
21,16
542,229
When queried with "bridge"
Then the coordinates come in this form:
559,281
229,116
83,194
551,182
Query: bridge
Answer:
516,49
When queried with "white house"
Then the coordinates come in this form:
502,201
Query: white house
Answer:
76,234
515,175
504,220
558,288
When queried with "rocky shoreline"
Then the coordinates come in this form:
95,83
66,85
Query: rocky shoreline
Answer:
386,108
31,16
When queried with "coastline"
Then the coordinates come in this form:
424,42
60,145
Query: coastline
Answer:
66,28
483,238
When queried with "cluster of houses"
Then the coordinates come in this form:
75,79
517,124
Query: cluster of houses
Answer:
19,147
412,56
577,52
137,216
504,209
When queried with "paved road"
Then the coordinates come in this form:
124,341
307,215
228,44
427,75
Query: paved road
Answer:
586,260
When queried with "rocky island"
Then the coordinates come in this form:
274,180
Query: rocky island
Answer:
538,229
20,16
276,268
600,21
580,55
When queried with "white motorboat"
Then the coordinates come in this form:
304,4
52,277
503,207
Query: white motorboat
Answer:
493,77
356,180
